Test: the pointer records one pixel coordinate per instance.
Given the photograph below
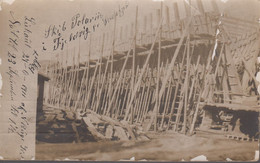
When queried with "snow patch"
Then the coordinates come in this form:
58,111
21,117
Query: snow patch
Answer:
200,158
256,155
6,1
258,76
258,79
224,1
228,159
9,1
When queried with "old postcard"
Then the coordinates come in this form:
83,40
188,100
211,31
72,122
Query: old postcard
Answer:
136,80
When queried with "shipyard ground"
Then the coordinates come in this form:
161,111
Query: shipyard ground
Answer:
160,147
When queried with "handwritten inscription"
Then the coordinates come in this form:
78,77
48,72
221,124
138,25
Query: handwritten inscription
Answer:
79,27
23,61
28,22
13,74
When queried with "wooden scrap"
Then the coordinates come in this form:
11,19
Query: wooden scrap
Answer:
120,133
92,128
109,132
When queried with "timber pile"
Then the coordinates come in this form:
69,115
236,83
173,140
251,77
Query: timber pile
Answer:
104,127
84,127
57,125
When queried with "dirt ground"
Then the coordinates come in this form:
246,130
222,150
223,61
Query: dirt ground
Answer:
161,147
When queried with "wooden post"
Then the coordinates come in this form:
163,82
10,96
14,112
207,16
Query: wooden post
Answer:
144,30
200,6
90,87
177,87
126,31
176,17
195,78
72,79
200,94
187,8
157,103
119,79
141,74
186,85
166,104
134,53
65,80
151,28
167,18
176,12
147,101
168,73
144,24
99,89
110,89
121,33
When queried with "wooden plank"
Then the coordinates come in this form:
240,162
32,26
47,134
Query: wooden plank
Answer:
92,128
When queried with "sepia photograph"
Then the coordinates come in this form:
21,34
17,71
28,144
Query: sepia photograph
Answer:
135,80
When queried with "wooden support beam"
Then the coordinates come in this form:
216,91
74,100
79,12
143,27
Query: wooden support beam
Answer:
157,103
178,85
145,24
187,9
200,6
186,85
141,74
168,73
176,12
167,17
119,80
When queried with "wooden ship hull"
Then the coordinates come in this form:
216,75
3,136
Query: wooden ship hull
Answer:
189,75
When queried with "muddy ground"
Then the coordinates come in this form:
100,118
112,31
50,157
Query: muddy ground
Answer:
161,147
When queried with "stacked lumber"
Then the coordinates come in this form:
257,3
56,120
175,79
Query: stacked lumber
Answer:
104,127
87,126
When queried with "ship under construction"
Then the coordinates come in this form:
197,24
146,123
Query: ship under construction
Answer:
192,75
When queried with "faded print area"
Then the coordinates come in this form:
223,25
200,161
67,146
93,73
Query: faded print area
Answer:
173,80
